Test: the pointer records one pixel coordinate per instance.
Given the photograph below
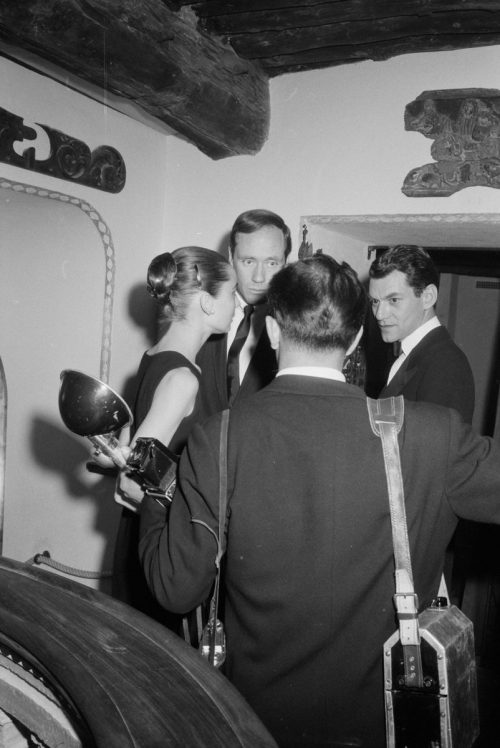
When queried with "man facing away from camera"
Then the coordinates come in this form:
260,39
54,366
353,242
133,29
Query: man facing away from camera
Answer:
309,568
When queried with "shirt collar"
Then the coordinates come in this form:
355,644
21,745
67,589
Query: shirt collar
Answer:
241,304
412,340
323,372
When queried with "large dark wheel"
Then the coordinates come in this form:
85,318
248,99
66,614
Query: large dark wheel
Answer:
78,668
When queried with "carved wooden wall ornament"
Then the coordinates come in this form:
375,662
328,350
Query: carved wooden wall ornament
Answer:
465,127
69,158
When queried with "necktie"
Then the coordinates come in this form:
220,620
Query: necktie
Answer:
233,362
396,366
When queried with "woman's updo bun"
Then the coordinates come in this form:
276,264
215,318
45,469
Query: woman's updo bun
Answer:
174,277
161,277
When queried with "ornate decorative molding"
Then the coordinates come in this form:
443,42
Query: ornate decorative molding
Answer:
109,258
465,127
442,218
470,230
69,158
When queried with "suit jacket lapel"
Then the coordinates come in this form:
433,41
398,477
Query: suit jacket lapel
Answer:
410,366
400,379
261,369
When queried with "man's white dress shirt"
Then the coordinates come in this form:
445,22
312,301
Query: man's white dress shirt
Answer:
323,372
410,342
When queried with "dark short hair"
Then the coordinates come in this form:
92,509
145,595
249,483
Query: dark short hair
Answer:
318,303
253,220
414,262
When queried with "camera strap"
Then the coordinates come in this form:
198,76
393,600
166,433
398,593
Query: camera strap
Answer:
386,419
213,644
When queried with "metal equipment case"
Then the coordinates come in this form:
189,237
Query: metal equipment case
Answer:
443,713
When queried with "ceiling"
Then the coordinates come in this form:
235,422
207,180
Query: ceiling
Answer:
286,36
202,68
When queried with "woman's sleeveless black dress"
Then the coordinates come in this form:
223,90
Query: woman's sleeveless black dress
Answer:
129,584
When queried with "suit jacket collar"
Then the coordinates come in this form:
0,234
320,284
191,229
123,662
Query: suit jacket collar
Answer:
413,339
434,339
297,384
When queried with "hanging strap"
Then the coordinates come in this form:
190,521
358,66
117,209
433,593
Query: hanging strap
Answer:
222,486
386,420
221,540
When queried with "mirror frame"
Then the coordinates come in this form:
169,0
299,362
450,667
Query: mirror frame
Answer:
109,258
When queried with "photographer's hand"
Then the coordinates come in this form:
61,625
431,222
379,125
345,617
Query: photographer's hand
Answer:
128,492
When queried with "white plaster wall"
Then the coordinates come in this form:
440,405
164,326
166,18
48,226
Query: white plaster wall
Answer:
51,502
337,145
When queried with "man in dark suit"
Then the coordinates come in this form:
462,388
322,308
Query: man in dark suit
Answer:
404,284
309,565
403,290
242,362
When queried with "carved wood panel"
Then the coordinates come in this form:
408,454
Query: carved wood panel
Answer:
465,127
69,158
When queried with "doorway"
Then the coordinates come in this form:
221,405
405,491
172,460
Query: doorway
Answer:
469,306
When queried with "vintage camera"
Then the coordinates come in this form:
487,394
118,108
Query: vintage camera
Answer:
154,467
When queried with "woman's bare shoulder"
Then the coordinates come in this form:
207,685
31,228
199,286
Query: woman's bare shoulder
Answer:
182,375
179,384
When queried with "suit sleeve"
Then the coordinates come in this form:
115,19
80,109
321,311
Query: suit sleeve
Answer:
473,474
178,554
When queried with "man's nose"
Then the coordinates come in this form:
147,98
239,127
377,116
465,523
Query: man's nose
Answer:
380,311
258,273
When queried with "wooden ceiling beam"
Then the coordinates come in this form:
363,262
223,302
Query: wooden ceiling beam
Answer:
364,32
331,56
154,57
289,36
255,15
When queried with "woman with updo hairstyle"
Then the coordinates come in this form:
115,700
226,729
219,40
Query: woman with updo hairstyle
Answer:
174,278
194,288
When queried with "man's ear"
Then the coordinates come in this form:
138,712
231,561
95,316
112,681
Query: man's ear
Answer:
207,302
429,296
273,332
354,342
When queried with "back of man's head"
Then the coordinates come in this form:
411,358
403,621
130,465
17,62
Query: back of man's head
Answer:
253,220
317,303
414,262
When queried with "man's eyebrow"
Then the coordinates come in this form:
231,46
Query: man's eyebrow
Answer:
244,256
389,295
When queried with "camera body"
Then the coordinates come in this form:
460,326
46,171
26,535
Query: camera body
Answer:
154,467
